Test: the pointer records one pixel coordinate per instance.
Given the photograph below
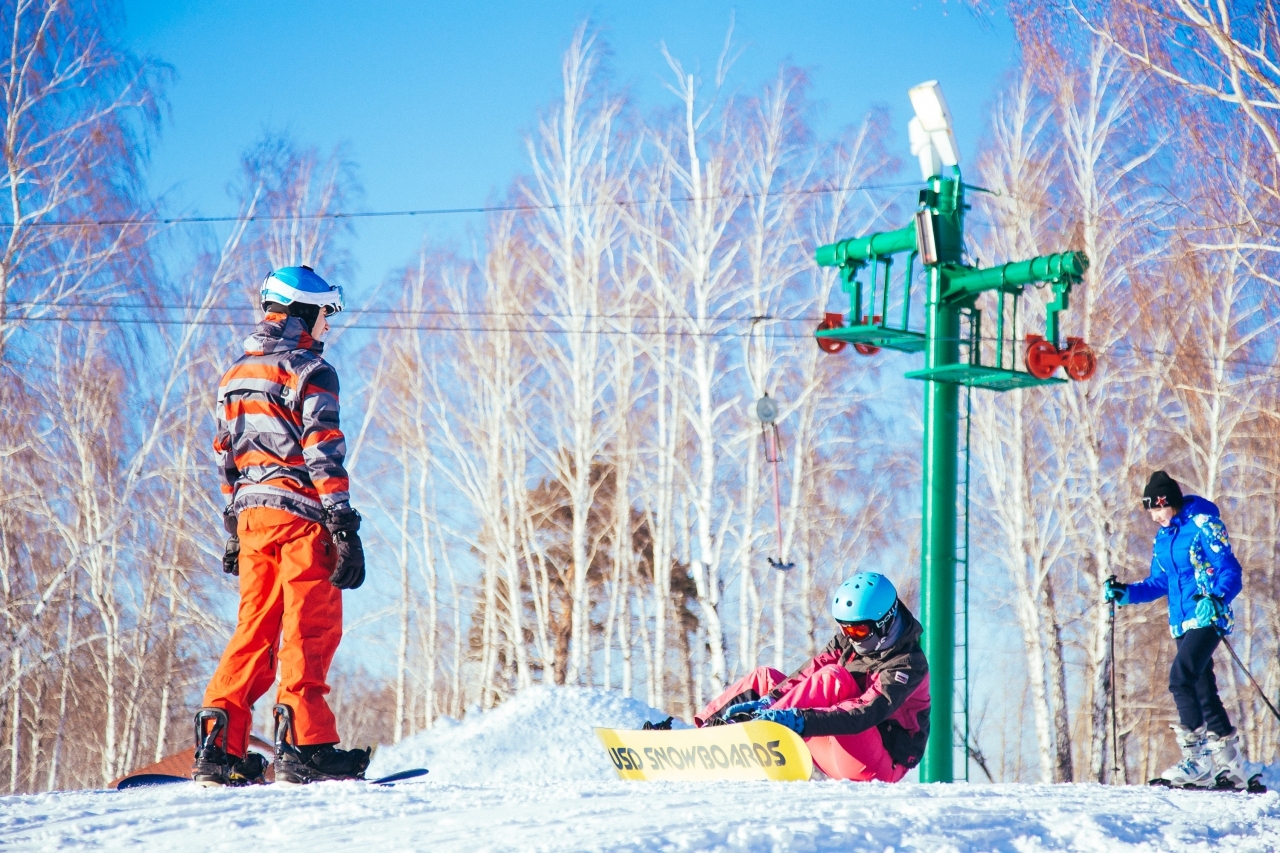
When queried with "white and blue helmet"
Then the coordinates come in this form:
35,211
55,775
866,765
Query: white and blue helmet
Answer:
288,285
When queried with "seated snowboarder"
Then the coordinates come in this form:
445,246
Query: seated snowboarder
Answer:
1192,564
862,705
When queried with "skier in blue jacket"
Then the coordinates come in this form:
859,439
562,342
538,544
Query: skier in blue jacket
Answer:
1192,564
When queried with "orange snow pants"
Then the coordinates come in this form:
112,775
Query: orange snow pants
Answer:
289,609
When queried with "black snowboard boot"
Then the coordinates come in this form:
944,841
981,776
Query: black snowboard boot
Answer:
250,770
212,765
300,765
664,726
318,763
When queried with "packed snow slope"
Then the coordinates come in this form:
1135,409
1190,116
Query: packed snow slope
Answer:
531,776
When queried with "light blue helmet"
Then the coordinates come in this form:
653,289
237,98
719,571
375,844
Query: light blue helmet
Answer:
865,597
288,285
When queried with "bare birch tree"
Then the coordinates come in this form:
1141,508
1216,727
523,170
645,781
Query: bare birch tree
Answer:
575,164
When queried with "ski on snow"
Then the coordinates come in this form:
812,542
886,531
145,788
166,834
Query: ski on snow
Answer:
1253,786
146,780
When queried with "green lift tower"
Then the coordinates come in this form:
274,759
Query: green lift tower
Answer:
934,239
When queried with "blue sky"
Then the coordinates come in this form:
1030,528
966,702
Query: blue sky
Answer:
434,99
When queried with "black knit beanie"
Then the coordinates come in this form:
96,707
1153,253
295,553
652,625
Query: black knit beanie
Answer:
308,314
1161,491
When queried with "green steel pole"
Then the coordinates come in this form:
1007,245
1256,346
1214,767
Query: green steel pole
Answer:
938,521
938,531
952,286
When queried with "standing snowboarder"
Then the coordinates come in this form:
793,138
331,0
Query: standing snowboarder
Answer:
1192,564
294,543
862,705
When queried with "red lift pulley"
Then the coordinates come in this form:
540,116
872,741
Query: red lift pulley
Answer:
836,321
868,349
1043,358
830,321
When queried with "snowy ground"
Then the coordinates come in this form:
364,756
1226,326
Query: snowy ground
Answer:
531,776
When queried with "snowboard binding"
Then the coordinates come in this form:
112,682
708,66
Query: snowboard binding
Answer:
301,765
212,765
285,737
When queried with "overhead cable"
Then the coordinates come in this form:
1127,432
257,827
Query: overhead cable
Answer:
722,329
441,211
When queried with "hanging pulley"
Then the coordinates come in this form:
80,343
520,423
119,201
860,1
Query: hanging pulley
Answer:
868,349
1077,357
767,412
830,320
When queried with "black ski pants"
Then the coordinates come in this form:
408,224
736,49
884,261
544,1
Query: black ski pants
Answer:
1192,684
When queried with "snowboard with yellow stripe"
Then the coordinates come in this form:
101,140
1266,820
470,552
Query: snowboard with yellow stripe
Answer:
755,750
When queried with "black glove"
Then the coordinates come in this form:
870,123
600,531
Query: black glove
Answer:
344,525
229,520
349,571
340,517
231,556
1113,590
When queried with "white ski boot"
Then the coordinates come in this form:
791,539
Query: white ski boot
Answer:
1228,764
1196,769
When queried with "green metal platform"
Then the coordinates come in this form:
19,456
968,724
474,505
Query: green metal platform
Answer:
879,336
977,376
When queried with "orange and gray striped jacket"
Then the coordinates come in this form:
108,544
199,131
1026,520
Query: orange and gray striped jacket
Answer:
278,438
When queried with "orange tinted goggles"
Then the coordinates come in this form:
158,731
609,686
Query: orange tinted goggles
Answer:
858,630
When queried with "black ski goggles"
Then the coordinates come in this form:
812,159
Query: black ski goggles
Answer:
864,628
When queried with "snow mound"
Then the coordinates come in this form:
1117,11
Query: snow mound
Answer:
541,735
531,775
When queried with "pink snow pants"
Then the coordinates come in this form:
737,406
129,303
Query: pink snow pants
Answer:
860,758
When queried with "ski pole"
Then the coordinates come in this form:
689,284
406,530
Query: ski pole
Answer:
1115,725
1195,623
1249,675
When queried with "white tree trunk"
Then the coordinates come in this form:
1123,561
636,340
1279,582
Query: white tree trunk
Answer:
402,640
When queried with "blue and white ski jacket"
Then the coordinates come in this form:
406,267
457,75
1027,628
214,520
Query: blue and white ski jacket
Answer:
1190,557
